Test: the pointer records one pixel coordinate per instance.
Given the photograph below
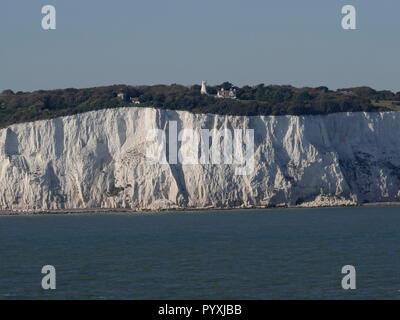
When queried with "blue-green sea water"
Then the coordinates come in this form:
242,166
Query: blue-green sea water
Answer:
236,254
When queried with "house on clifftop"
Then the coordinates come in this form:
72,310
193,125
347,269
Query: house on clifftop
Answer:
124,97
222,93
227,94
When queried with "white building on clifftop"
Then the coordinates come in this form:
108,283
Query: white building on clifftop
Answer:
222,93
204,87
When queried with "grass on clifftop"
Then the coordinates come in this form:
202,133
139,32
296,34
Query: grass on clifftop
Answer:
252,100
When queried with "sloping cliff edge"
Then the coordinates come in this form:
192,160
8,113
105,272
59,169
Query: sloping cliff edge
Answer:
98,160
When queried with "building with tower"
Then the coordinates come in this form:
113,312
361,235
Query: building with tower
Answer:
222,93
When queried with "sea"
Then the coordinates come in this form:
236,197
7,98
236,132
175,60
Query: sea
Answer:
222,254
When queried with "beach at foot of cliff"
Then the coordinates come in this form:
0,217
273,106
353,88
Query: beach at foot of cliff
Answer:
144,211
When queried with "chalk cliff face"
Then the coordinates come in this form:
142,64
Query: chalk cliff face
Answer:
98,160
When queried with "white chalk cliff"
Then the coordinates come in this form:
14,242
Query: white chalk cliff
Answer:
98,160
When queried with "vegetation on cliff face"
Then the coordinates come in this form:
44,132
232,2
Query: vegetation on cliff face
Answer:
252,100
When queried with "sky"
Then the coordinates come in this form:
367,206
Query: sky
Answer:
135,42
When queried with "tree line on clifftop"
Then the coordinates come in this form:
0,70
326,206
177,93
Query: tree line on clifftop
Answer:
16,107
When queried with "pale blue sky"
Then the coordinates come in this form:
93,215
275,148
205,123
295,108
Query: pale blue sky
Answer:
135,42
